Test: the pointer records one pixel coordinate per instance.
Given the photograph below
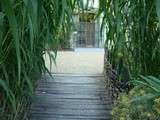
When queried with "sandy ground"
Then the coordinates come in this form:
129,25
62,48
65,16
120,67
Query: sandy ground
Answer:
80,61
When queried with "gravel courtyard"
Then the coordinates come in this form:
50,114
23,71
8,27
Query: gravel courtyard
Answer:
81,61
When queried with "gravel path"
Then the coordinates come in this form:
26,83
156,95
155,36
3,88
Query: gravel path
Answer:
80,61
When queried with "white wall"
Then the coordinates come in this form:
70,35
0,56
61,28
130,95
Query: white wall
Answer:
92,3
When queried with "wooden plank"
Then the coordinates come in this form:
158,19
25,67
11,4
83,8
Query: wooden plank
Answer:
69,101
73,79
71,97
68,117
73,106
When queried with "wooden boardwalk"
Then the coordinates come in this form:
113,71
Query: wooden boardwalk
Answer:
71,98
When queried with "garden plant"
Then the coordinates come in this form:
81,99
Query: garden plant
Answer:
132,45
29,29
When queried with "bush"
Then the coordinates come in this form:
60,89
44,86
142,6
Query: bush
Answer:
141,103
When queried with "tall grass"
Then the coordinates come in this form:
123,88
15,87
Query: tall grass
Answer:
133,36
133,42
27,29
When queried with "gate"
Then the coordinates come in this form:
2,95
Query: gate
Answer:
86,35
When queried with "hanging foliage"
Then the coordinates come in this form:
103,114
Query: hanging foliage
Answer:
27,29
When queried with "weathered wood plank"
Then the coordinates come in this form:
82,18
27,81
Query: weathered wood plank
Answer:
73,79
71,98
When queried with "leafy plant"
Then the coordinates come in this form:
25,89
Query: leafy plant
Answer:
132,44
28,28
141,103
132,36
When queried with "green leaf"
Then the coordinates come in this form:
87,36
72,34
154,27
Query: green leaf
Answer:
9,11
146,97
9,93
157,3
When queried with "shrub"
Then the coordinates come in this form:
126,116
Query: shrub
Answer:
141,103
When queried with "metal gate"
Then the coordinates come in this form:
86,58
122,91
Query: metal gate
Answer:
86,35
